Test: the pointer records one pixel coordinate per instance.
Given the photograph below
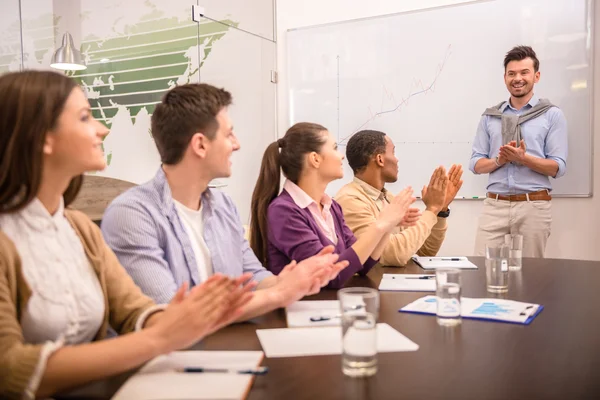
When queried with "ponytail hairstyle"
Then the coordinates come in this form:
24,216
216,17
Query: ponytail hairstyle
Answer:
301,139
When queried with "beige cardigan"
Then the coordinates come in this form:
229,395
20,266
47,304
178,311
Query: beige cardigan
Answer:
124,303
424,239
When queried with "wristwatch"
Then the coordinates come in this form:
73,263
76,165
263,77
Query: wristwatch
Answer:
497,162
444,214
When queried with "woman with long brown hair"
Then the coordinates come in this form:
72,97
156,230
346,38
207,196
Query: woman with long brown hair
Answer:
60,285
303,219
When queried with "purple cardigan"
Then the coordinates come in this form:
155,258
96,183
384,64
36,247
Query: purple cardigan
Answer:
294,235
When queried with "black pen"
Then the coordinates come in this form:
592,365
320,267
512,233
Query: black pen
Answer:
252,371
324,318
414,277
421,277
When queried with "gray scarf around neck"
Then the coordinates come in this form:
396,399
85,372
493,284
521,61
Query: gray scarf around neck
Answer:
511,124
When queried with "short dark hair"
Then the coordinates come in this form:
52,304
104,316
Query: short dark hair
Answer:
519,53
184,111
362,146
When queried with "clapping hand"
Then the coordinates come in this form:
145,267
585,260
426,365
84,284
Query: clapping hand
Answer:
434,195
411,217
510,152
192,315
393,213
454,184
307,277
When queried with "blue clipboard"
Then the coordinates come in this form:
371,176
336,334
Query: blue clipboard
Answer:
527,321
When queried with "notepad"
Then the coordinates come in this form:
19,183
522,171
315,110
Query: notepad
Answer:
500,310
297,342
407,283
158,380
322,312
443,262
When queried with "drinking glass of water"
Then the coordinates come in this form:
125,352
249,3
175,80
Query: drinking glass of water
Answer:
515,251
359,309
448,292
496,268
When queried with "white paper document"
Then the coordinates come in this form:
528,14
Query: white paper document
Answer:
313,313
297,342
159,380
443,262
407,283
492,309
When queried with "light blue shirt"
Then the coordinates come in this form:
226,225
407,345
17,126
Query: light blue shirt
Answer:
544,136
144,230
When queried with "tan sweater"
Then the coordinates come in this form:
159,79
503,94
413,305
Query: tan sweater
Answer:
360,211
124,303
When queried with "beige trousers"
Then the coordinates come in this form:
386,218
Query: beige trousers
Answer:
532,219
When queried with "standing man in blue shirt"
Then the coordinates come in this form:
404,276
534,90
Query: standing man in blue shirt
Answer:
520,143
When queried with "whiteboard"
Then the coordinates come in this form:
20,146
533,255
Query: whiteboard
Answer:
425,77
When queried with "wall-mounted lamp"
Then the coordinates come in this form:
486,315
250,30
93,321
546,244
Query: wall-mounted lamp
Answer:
67,57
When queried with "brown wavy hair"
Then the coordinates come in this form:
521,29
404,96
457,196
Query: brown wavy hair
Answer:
30,104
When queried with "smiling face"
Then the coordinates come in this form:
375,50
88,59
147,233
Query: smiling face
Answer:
221,147
520,77
331,166
74,145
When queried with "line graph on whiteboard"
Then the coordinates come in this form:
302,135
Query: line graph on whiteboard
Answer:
416,88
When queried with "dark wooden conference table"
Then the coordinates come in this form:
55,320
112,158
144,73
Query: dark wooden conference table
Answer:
556,357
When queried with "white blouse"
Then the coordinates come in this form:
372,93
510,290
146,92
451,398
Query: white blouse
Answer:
67,303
